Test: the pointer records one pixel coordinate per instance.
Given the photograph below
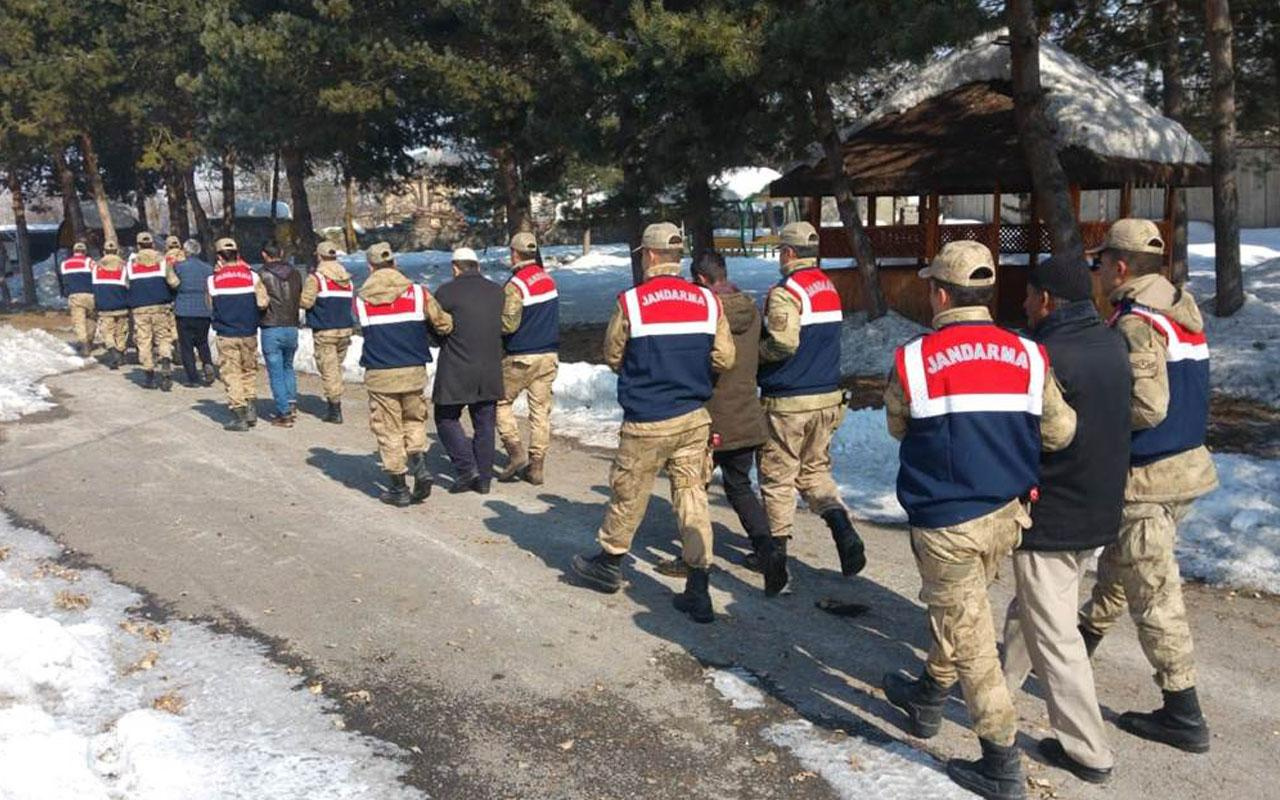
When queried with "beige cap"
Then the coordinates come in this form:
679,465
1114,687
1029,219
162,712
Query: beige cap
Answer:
465,254
172,243
799,234
662,236
110,247
145,240
1132,235
226,245
524,242
327,250
963,263
380,253
79,247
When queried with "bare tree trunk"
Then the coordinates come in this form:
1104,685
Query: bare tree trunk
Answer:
203,227
1053,198
511,187
175,188
70,199
140,199
275,186
21,239
349,215
99,191
229,192
698,205
863,252
1226,219
1172,97
304,230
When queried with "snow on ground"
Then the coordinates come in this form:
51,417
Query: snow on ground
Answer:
25,358
47,292
1232,536
867,348
83,702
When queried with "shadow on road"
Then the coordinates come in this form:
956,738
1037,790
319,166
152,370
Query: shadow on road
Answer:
356,471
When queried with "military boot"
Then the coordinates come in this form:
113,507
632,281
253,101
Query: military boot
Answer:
533,473
251,412
112,359
238,422
922,699
149,379
517,458
421,477
754,560
695,600
166,375
334,413
774,565
1178,723
602,572
397,492
995,776
849,546
1091,640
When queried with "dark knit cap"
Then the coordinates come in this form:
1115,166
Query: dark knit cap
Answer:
1067,278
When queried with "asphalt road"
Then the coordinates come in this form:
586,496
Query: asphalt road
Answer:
503,677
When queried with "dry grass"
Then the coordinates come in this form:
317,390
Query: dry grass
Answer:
71,601
146,630
171,702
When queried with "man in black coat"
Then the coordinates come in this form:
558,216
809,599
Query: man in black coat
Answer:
469,373
1081,495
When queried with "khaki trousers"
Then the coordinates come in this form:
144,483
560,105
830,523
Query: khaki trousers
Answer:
153,330
331,350
1040,632
1140,571
798,456
114,327
636,465
956,565
534,374
82,318
238,367
399,423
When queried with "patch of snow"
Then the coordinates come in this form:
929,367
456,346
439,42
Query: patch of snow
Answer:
736,685
864,461
1232,536
47,293
25,358
744,183
76,715
867,348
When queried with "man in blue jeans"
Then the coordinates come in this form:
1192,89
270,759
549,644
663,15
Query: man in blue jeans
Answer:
280,332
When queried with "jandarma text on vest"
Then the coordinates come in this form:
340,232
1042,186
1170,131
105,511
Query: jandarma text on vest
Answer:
817,287
974,352
666,295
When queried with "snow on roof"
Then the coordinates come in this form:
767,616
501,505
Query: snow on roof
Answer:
1081,103
436,156
121,215
743,183
246,207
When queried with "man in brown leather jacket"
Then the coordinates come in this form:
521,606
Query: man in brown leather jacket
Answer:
280,332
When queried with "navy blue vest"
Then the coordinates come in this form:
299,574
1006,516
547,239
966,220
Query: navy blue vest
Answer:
147,286
976,393
332,309
77,275
110,288
395,333
815,366
539,330
235,305
666,368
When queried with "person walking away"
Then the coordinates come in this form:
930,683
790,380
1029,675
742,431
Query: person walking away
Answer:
77,287
151,285
111,303
1169,467
531,341
800,382
192,314
327,298
666,340
280,332
396,318
236,298
470,372
1081,495
973,405
174,252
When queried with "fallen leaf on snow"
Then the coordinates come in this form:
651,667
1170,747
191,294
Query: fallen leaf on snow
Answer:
801,777
71,601
50,569
171,702
4,553
145,663
316,688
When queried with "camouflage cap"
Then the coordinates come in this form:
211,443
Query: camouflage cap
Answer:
380,253
327,250
172,243
226,245
524,242
145,239
79,247
799,234
110,247
1132,235
662,236
962,263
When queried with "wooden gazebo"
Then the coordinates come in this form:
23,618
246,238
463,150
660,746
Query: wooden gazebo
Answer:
952,132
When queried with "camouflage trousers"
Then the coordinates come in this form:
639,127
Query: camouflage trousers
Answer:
534,374
114,327
1140,571
82,319
957,564
331,350
154,332
399,423
797,456
238,367
635,467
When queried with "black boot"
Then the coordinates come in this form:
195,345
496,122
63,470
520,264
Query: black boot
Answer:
251,412
1091,640
672,567
397,493
112,359
1056,754
208,375
421,477
695,600
602,572
774,565
1178,723
463,484
922,699
238,422
149,379
334,414
853,556
995,776
754,560
166,375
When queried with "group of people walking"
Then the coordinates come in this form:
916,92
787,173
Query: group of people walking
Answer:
1080,434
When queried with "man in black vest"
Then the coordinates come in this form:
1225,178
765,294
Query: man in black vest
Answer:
1081,497
470,372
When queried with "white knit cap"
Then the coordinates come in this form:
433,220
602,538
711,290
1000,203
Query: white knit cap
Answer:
465,254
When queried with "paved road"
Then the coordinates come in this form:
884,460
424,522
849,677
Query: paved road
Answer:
507,680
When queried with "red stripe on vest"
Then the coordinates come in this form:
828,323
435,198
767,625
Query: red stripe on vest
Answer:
77,264
668,299
234,276
537,281
974,359
406,303
821,292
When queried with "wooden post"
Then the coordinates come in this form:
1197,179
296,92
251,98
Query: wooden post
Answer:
1126,200
1033,230
1170,213
1074,189
814,213
871,211
933,237
994,244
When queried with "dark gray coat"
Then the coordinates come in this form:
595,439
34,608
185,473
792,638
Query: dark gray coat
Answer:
470,365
